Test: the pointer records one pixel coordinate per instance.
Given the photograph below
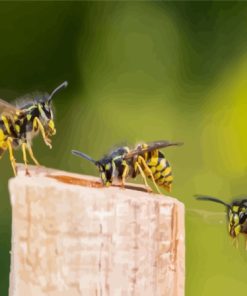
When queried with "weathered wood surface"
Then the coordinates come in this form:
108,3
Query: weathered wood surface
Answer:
72,237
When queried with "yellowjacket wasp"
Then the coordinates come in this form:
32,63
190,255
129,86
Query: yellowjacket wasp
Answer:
145,159
236,214
18,126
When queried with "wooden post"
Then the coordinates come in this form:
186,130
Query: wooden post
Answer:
71,237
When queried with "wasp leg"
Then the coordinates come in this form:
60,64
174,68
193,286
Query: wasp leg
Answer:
32,156
11,156
235,242
125,173
1,152
143,175
149,172
41,128
24,146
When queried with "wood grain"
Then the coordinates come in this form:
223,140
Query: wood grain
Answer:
71,236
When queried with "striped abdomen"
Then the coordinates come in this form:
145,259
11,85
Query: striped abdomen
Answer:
7,128
11,127
160,168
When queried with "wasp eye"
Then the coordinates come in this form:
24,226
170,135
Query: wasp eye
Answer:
47,110
242,218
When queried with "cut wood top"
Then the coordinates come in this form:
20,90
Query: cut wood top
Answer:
72,236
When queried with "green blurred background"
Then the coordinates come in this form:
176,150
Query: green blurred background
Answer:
141,71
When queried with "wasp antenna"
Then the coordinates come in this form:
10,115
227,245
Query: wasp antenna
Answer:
177,144
57,89
209,198
83,155
168,144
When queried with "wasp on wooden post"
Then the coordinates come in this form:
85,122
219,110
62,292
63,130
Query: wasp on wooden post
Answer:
145,159
18,126
236,214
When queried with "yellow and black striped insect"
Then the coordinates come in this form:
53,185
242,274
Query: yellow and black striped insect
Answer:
18,125
236,214
145,159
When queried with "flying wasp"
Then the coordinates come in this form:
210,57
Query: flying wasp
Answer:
236,214
145,159
18,126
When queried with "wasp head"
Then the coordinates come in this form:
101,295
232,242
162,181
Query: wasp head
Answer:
104,165
106,171
236,212
237,216
46,115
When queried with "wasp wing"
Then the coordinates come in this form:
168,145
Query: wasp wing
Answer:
219,217
207,216
8,109
150,147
